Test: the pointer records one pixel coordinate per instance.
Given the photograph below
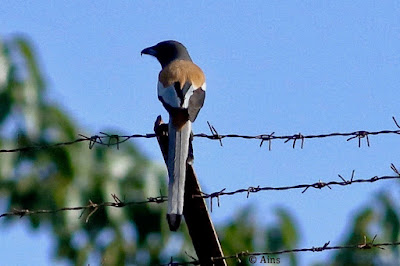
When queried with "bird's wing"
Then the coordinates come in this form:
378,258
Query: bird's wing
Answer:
182,87
189,98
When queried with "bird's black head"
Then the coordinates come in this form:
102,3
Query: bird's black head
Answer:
168,51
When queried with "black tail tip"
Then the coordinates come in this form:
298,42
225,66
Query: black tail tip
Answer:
174,220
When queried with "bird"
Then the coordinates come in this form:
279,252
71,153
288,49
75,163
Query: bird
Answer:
181,89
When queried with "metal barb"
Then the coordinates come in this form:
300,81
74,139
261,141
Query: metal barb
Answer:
394,169
361,134
95,208
110,138
344,180
215,133
295,138
394,119
268,138
93,141
252,189
118,202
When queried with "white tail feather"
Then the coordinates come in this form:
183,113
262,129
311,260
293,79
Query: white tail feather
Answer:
178,149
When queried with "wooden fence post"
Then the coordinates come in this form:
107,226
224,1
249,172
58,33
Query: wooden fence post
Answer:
201,229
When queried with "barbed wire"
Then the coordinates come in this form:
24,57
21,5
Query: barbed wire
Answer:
252,256
115,140
93,207
95,139
305,187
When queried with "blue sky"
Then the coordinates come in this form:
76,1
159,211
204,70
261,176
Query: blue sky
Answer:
288,67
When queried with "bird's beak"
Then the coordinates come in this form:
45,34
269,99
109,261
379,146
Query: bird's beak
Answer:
150,51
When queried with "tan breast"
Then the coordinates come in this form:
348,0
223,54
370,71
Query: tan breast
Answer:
181,71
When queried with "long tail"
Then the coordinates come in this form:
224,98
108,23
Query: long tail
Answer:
178,150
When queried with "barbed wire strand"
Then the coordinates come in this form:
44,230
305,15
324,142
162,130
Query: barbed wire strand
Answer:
316,185
305,187
115,140
93,207
238,256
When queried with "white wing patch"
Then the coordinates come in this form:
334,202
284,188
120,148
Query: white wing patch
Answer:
170,97
203,87
190,93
